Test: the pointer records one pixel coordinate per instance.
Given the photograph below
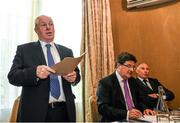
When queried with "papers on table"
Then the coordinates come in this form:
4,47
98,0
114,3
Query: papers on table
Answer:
148,118
67,65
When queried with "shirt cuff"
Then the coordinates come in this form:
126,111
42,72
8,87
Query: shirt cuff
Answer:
127,117
164,97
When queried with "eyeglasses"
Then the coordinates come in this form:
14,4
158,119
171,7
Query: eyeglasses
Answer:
129,66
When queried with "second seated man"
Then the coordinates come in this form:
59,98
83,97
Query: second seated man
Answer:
149,87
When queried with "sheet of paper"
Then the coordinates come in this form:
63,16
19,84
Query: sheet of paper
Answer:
67,65
148,118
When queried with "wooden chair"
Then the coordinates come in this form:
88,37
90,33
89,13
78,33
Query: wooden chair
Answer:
94,109
14,112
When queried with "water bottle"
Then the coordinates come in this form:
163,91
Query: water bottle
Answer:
162,109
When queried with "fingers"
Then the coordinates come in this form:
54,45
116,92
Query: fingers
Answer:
50,69
153,95
71,77
134,113
149,112
71,74
43,71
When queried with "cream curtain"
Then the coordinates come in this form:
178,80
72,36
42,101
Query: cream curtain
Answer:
16,24
97,41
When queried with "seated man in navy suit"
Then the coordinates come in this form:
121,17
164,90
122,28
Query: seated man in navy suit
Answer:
117,94
149,87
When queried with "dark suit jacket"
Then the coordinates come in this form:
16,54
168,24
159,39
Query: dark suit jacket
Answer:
144,91
35,94
110,99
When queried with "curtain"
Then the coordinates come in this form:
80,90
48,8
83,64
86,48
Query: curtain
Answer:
97,41
15,23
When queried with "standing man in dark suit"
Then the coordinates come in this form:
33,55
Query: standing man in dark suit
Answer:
42,100
149,87
117,94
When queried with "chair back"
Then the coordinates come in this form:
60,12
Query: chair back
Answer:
14,112
94,109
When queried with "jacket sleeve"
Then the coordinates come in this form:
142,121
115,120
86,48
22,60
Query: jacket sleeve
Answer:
20,75
104,103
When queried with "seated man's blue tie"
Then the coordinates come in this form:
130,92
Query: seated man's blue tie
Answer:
54,82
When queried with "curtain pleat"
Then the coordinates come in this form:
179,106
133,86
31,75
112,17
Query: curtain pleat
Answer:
98,42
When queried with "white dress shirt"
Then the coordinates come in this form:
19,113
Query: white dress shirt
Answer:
121,83
56,59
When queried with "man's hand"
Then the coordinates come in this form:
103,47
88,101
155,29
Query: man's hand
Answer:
154,95
43,71
134,114
149,112
71,77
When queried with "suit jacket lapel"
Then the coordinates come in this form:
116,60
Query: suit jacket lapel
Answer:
141,83
152,85
145,86
39,53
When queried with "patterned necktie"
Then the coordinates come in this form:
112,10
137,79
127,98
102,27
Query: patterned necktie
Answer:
145,82
127,96
54,82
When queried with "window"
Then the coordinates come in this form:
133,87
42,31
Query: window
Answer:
14,20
